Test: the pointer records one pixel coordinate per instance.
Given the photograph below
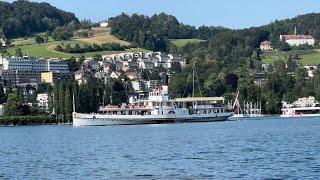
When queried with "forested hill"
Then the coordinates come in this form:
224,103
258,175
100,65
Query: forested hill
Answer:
233,47
152,32
22,18
305,24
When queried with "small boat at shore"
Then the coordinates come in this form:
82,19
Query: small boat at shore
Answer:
303,107
157,109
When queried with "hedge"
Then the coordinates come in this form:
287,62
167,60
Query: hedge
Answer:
27,120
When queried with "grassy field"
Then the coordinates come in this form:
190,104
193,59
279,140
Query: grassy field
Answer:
182,42
46,50
306,56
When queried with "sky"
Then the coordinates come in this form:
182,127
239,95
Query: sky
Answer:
236,14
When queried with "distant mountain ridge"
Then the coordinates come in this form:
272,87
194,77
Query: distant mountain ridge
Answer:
22,18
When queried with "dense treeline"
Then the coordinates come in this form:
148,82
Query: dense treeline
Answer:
22,18
26,120
88,96
91,48
152,32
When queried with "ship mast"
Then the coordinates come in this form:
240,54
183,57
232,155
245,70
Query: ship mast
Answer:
193,70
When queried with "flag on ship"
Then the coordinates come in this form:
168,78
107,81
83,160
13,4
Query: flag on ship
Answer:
236,104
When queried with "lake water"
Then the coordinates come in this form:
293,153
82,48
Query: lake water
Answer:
279,148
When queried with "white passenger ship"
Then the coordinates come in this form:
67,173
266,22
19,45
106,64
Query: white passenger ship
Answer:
304,107
157,108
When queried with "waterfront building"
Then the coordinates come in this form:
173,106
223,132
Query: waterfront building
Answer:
1,109
42,101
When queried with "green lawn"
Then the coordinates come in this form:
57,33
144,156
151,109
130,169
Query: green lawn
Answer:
310,59
46,50
306,56
182,42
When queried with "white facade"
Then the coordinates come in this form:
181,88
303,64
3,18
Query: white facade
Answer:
296,40
311,69
3,42
43,100
1,109
26,63
104,24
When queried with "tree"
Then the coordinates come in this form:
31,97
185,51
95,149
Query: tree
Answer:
284,46
301,75
61,99
176,67
67,104
62,33
291,64
273,104
13,106
58,48
47,35
55,102
39,39
18,52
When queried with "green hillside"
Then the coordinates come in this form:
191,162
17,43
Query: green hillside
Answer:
46,50
305,56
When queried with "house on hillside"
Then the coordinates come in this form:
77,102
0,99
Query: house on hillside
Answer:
266,46
104,23
259,78
296,40
311,69
3,42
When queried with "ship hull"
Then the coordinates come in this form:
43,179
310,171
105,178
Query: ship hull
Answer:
108,120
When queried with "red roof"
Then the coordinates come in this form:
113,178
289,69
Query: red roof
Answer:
287,37
263,43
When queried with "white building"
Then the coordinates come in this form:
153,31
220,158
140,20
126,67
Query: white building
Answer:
104,24
296,40
1,109
27,63
43,100
266,46
311,69
3,42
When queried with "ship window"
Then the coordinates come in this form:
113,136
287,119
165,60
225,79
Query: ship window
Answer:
161,112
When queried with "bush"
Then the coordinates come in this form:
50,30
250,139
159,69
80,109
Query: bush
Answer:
27,120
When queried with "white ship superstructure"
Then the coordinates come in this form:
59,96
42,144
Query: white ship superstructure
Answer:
304,107
157,108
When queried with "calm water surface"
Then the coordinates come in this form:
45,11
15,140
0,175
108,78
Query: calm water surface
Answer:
252,149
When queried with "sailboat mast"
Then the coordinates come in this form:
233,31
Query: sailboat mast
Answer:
73,104
193,69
